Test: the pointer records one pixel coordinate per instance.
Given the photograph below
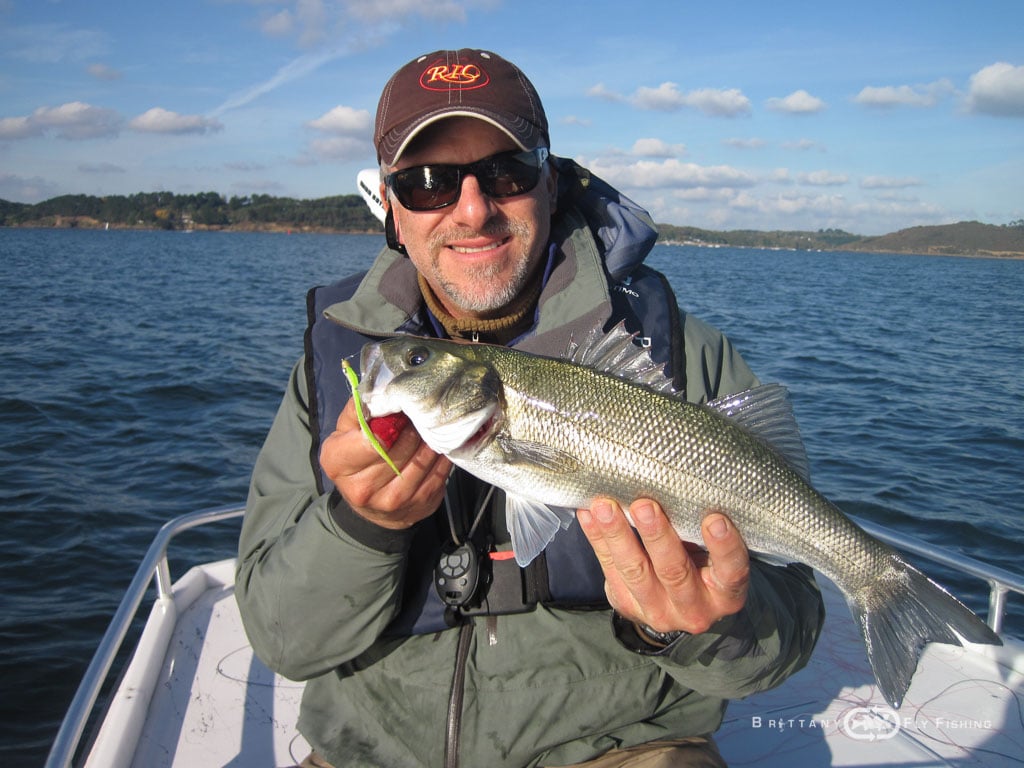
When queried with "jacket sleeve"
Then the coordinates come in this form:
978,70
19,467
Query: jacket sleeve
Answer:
314,588
772,637
774,634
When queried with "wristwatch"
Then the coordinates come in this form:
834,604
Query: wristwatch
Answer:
653,636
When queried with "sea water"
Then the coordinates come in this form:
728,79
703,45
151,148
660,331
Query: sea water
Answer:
139,372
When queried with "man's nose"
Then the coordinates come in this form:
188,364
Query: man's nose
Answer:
474,206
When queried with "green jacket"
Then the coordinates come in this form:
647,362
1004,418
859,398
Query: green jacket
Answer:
547,687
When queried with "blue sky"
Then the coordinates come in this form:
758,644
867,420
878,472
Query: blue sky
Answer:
867,116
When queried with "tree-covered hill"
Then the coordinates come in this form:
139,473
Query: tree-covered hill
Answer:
348,213
967,238
823,239
205,210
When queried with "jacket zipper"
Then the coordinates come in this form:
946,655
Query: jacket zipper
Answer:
454,726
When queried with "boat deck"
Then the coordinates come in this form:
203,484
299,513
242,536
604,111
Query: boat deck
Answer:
212,703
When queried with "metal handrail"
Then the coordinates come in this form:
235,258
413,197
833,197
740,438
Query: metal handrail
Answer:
1000,581
154,564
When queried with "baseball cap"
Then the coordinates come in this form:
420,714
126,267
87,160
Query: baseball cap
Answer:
466,83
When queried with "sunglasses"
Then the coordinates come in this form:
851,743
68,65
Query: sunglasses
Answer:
429,187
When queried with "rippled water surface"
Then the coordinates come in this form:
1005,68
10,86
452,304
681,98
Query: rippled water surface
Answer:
140,371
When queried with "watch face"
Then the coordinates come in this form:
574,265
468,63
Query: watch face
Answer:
663,638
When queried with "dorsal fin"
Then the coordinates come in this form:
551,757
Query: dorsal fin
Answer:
767,413
617,353
764,411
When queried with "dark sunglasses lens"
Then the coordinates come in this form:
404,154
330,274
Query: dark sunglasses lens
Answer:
426,187
507,176
429,187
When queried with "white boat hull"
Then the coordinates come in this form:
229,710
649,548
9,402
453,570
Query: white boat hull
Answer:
195,695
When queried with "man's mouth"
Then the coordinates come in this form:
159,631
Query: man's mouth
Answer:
469,250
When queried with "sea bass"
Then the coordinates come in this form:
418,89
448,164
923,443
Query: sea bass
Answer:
556,434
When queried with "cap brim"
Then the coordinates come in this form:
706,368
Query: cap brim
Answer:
444,115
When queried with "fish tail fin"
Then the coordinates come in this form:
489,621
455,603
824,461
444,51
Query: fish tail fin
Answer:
899,614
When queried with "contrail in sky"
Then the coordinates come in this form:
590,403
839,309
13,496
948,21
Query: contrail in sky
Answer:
293,70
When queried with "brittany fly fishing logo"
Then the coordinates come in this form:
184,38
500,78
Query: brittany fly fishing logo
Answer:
442,76
871,723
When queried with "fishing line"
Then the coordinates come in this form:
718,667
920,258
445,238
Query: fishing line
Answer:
476,520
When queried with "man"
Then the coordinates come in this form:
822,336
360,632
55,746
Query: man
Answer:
610,647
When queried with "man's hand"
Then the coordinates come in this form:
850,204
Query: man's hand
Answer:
371,487
659,581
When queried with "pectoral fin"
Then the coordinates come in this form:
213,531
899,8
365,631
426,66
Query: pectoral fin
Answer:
538,455
532,526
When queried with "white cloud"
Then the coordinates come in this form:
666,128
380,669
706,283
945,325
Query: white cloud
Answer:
671,173
100,168
657,148
803,145
18,128
316,22
313,18
281,24
889,182
822,179
704,195
340,148
738,143
348,134
779,176
889,96
160,120
797,103
668,98
344,121
997,89
389,10
76,120
600,91
103,72
50,43
22,190
665,98
244,167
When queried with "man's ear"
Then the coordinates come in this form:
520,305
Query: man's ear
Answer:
391,233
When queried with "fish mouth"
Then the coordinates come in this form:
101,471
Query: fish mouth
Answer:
482,435
375,377
465,435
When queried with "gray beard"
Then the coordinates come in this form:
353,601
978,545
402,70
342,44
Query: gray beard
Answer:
496,296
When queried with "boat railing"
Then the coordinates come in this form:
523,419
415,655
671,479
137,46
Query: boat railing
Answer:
1000,581
155,566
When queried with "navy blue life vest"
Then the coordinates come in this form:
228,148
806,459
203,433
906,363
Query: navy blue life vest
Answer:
567,572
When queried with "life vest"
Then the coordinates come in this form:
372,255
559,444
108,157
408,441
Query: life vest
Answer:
567,573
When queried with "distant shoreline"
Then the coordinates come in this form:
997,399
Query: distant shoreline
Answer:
981,254
964,239
272,228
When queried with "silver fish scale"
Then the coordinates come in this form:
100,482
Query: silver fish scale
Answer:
617,439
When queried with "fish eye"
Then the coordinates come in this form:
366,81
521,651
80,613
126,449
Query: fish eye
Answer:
417,356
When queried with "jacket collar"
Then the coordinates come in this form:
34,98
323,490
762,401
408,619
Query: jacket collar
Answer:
599,233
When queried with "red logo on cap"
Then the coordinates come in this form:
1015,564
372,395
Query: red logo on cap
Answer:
444,77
